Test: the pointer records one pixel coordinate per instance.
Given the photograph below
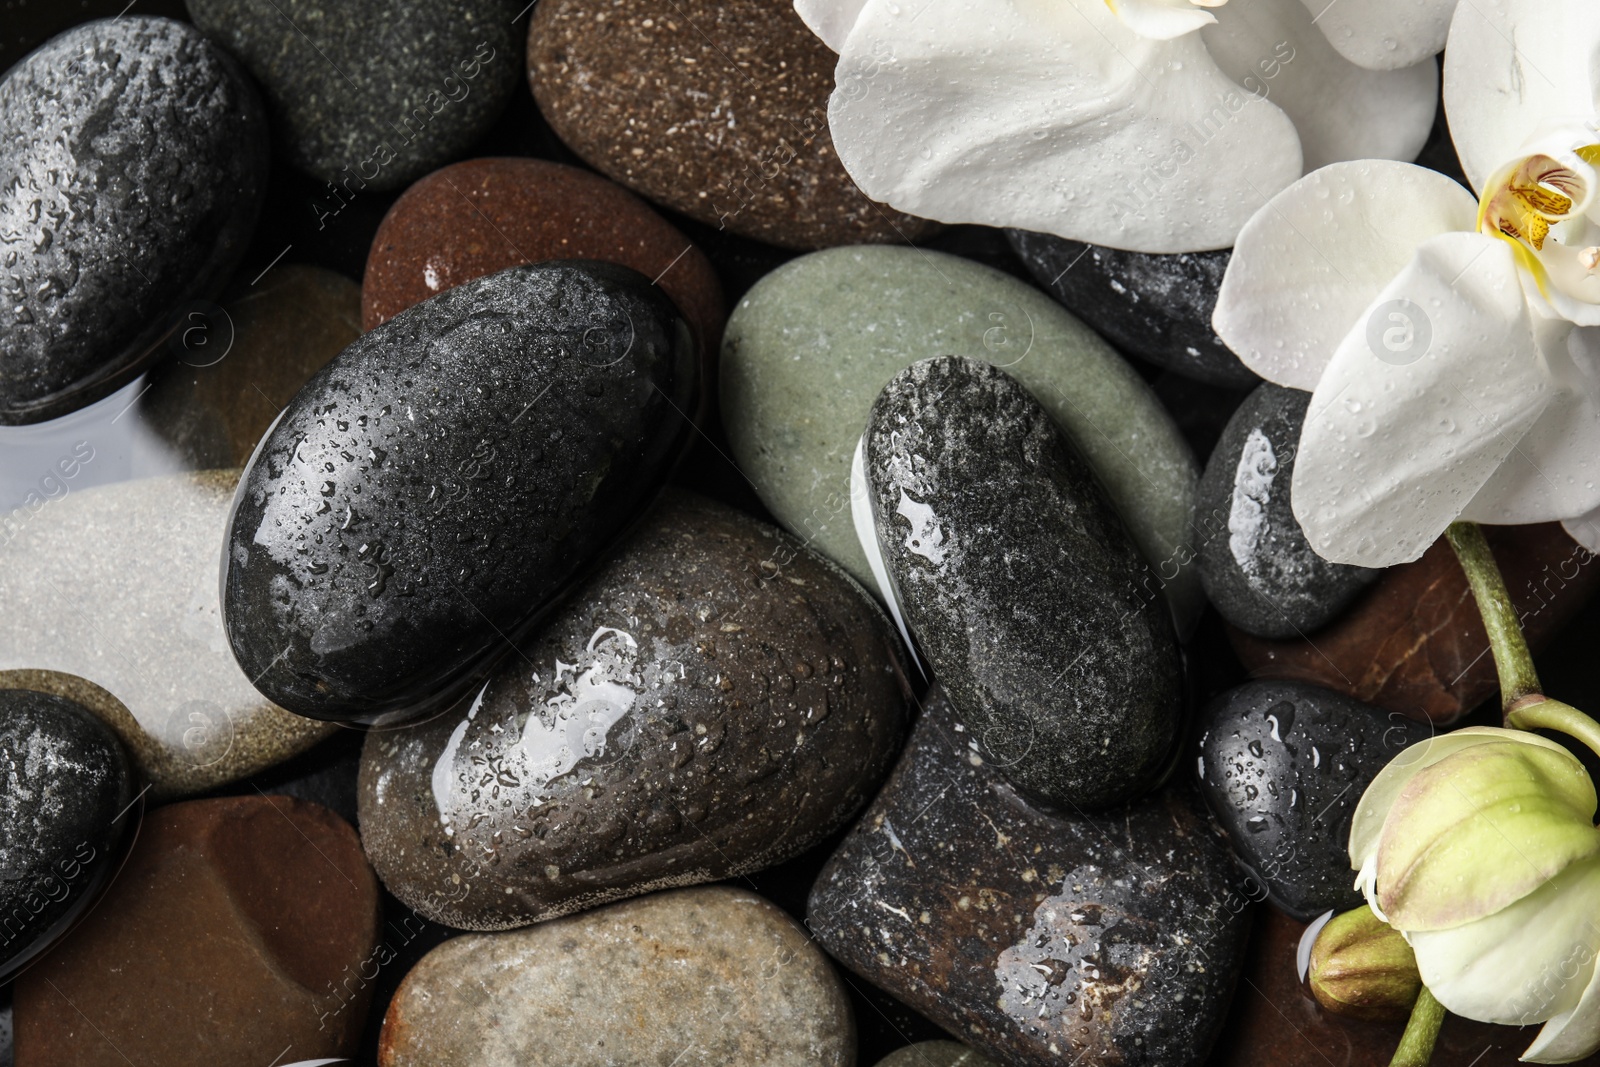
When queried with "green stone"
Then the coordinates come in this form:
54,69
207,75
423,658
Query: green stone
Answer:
810,346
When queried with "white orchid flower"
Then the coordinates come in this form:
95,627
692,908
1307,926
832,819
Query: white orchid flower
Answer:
1450,342
1149,125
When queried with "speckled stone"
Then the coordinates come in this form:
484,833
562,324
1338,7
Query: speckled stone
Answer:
484,215
705,977
808,349
935,1054
246,360
1255,562
1282,766
132,608
431,490
367,93
133,154
1017,580
715,108
64,815
1155,307
714,701
1038,939
235,932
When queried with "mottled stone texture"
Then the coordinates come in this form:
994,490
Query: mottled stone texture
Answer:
132,160
715,700
935,1054
715,108
1040,940
431,489
1017,580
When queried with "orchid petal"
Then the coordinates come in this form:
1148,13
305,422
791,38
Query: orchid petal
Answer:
832,20
1513,67
1341,111
1309,264
1051,115
1574,1033
1384,34
1161,20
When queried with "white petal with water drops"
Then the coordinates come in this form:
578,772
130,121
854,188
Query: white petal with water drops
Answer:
1384,34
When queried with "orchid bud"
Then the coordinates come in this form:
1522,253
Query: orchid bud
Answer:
1362,968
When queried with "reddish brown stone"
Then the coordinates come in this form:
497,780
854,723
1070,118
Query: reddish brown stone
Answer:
1414,643
241,929
1275,1023
715,108
484,215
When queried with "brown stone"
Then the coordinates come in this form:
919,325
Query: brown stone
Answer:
485,215
715,108
1414,643
1276,1023
241,929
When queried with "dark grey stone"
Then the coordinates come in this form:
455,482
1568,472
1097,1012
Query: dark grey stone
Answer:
1043,940
1019,584
1255,562
133,155
1283,765
1155,307
373,92
431,490
65,786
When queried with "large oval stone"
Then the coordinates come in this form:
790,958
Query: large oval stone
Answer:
808,349
1040,939
715,700
1019,584
132,164
431,489
707,977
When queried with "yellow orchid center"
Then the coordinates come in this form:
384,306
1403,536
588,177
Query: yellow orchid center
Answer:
1539,204
1163,20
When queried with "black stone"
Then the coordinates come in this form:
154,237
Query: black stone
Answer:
1255,562
1039,939
1154,307
373,92
133,155
64,818
1282,766
430,491
1018,582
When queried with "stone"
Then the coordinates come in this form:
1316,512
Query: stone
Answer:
1039,939
481,216
715,700
1255,562
111,601
650,97
807,351
235,927
135,153
371,93
1282,766
935,1054
64,818
243,361
432,489
700,977
1012,571
1153,307
1415,643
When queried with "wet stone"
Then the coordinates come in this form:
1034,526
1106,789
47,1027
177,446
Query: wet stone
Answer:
1040,939
127,623
713,701
1255,562
701,977
1154,307
1282,766
648,97
1019,584
430,491
366,93
133,155
935,1054
64,817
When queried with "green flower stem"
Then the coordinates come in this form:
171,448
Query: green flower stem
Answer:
1537,713
1416,1046
1512,659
